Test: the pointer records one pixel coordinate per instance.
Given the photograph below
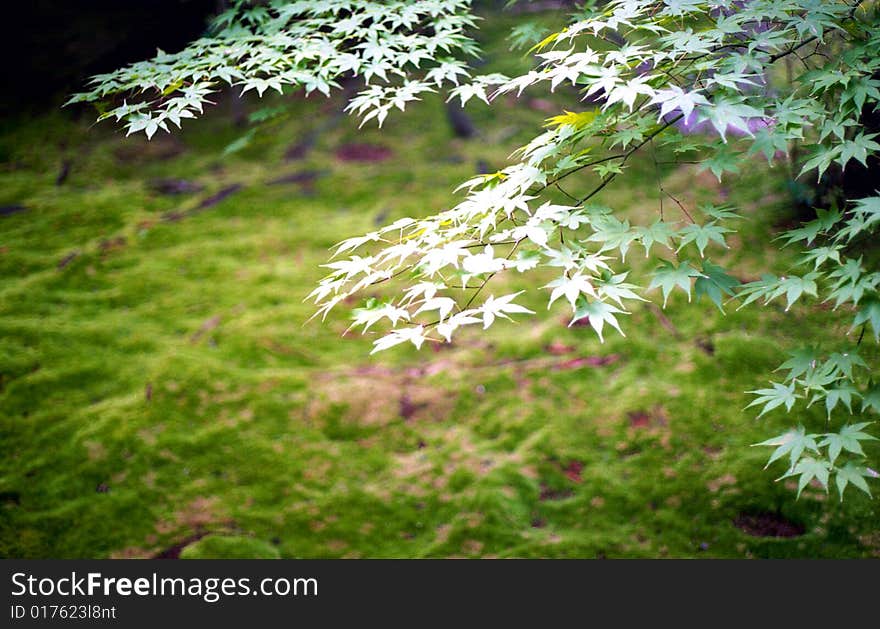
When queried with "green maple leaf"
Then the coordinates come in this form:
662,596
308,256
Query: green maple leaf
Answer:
769,143
719,212
802,360
658,233
668,276
612,233
701,235
840,393
820,255
806,232
846,361
753,291
773,398
793,443
827,219
819,377
793,287
821,160
721,162
714,283
871,399
859,148
599,313
846,440
853,474
809,468
770,287
726,113
869,312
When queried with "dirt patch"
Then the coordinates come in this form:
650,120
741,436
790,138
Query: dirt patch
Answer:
552,493
443,532
151,551
871,542
472,547
407,408
194,516
362,152
433,468
109,245
716,484
767,524
573,471
647,419
377,397
95,450
586,361
206,327
557,348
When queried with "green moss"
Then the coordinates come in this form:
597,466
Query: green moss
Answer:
162,383
229,547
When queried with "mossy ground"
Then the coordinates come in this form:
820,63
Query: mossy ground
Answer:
158,381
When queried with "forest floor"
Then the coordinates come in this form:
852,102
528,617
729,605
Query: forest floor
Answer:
161,393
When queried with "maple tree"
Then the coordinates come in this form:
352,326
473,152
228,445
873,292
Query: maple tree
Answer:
697,79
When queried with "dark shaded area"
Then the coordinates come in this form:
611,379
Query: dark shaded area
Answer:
407,408
108,245
63,172
837,185
767,524
173,187
551,493
646,419
859,181
173,552
573,471
10,498
461,123
66,260
214,199
362,152
55,46
204,204
706,345
301,149
305,178
8,210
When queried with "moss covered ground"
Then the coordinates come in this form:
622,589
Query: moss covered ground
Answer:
162,395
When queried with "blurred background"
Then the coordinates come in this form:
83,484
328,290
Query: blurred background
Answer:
161,394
